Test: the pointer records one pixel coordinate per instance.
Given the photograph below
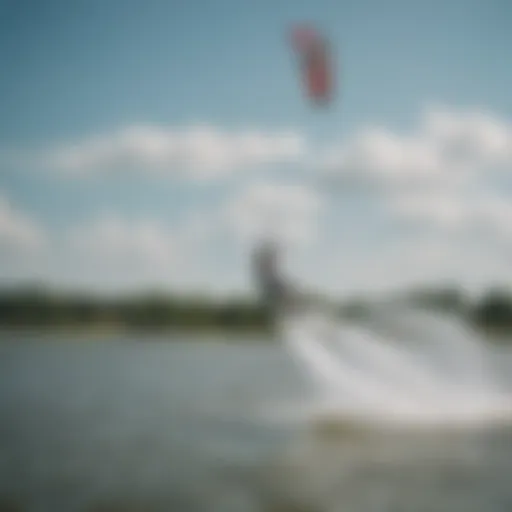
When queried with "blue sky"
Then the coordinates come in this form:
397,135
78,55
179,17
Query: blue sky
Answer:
83,70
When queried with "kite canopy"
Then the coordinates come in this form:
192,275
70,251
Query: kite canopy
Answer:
316,65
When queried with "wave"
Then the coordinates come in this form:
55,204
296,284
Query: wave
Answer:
437,374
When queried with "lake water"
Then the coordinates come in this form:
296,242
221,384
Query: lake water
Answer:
167,424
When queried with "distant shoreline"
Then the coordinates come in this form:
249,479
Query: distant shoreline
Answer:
41,310
98,331
102,331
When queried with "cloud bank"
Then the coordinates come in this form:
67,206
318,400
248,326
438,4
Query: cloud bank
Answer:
201,151
448,149
442,191
19,234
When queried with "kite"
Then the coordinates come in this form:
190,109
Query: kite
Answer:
315,63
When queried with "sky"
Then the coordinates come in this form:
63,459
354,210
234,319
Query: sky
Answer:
151,144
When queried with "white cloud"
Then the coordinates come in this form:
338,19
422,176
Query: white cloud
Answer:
203,151
443,181
417,258
448,150
438,181
111,252
286,210
115,252
457,212
439,257
475,136
112,240
19,235
381,157
442,210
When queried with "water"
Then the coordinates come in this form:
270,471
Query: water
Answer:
318,421
447,379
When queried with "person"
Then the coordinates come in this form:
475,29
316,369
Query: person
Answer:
276,294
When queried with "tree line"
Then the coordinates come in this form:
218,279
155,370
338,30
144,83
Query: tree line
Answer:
491,312
40,307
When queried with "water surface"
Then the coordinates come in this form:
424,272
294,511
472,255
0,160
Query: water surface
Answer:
145,423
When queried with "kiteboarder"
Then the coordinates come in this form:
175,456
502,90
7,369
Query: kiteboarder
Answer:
277,295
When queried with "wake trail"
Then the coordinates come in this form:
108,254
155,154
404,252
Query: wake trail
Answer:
357,368
396,366
337,379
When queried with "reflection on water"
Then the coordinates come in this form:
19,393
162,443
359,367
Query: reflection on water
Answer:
141,425
395,472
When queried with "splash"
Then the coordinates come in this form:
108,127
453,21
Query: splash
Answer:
439,374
